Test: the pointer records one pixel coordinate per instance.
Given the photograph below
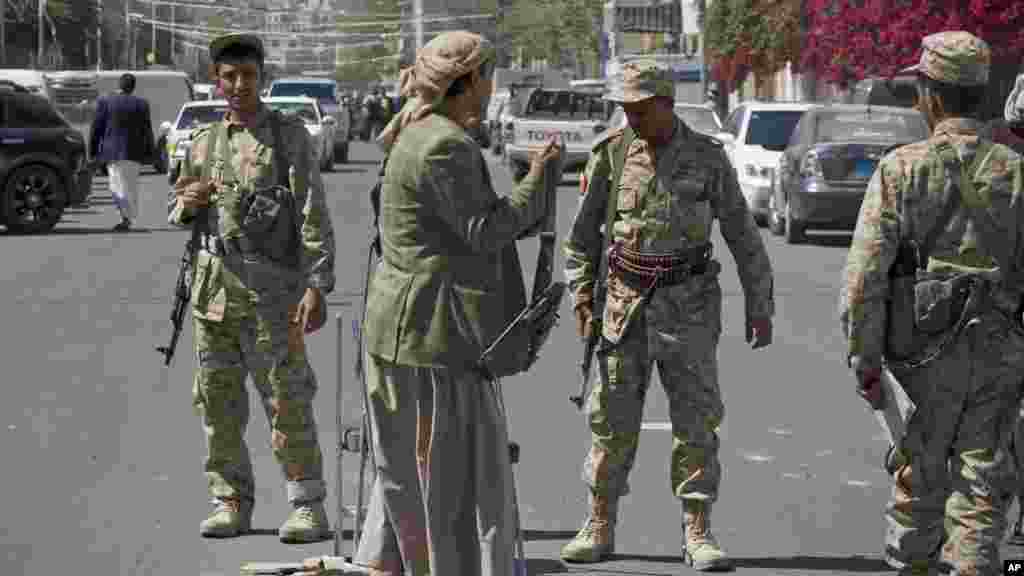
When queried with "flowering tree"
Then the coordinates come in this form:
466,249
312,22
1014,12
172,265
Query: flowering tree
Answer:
745,36
848,40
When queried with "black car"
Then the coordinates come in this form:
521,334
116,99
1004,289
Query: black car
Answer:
828,162
42,163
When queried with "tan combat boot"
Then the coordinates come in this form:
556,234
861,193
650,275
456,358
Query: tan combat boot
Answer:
232,517
701,550
307,523
596,540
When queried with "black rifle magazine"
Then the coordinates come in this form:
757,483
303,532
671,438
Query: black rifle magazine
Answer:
518,346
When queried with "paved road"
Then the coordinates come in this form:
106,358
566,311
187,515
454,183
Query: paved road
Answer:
103,454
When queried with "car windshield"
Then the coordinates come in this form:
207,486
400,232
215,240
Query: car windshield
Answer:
567,105
303,110
311,89
830,127
771,129
699,119
196,116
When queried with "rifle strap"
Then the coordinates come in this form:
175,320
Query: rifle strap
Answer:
618,161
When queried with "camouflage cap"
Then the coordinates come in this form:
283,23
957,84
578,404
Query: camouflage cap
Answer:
640,80
955,57
222,43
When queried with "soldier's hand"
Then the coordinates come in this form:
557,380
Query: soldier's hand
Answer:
759,331
584,320
193,193
551,152
311,313
869,386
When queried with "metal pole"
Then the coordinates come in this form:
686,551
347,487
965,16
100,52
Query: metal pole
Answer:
170,59
3,32
99,35
417,8
129,40
40,39
152,27
339,323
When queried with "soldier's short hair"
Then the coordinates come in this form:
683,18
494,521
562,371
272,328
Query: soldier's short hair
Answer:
957,100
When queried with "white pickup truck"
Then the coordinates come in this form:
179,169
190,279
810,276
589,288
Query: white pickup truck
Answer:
577,116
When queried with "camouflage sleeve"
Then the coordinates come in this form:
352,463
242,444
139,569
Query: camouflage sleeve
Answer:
449,168
865,286
584,235
314,219
744,239
190,171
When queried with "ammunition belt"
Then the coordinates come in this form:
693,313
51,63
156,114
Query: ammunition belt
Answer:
646,269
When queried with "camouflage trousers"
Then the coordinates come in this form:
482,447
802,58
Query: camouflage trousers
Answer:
954,477
270,349
686,358
442,499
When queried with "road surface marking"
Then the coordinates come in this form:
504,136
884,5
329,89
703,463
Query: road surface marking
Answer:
663,426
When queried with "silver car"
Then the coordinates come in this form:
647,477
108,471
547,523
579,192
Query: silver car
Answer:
192,115
320,126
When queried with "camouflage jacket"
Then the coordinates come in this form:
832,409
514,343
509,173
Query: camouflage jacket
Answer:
218,290
910,187
449,278
695,185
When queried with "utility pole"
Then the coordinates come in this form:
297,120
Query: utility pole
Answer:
40,39
417,9
3,32
99,35
170,59
152,27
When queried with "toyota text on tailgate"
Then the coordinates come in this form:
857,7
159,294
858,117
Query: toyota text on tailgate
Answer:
574,117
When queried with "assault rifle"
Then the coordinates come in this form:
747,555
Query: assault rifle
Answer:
183,288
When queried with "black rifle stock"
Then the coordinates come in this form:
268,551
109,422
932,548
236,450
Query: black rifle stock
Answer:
183,289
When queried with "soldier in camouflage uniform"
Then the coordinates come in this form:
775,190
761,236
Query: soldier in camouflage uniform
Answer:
674,183
959,198
1013,115
258,288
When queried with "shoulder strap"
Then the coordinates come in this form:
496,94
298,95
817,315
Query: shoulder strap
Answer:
281,164
211,146
966,193
227,173
618,163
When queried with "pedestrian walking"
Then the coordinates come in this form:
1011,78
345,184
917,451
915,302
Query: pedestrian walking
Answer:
657,186
447,284
266,262
932,292
121,137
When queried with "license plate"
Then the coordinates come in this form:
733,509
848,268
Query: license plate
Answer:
864,168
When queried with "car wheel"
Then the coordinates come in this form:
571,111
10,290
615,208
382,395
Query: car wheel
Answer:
341,153
161,161
35,198
327,165
775,220
794,228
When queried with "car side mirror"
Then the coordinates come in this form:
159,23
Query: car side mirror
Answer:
725,138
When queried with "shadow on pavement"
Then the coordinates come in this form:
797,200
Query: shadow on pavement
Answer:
363,162
78,231
350,171
537,566
842,564
539,535
829,240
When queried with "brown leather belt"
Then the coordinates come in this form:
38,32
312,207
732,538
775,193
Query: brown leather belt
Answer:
646,269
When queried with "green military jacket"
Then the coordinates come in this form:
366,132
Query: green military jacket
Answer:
910,190
667,199
449,278
219,290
